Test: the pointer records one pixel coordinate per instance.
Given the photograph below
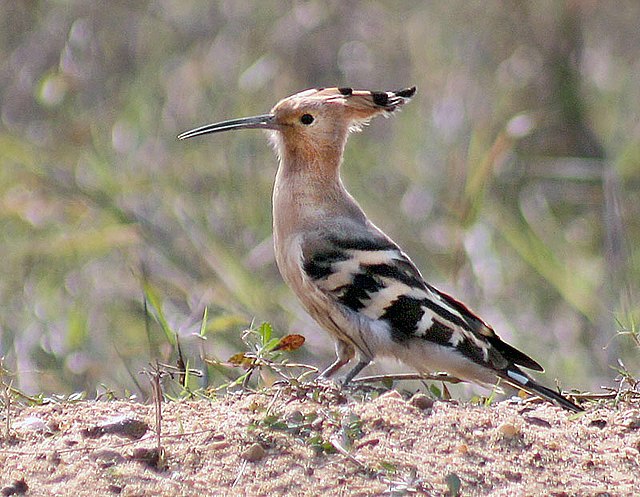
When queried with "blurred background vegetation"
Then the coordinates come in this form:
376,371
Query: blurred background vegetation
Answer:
512,179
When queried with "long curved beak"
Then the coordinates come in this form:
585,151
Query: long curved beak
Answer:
265,121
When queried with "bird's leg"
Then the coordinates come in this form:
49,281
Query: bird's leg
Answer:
362,363
345,353
333,367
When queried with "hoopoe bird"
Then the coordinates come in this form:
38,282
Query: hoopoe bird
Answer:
351,277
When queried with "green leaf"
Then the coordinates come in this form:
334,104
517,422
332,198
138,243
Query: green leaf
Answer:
435,391
203,325
328,447
265,331
187,375
155,304
271,344
387,383
576,415
388,467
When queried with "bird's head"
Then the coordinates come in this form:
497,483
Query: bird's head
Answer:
316,120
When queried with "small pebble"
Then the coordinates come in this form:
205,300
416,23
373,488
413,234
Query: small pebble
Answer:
508,430
253,453
421,401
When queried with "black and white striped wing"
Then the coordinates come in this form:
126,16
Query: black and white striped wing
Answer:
370,276
373,277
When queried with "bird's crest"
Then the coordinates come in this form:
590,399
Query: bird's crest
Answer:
362,100
360,105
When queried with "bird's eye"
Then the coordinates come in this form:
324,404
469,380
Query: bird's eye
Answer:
306,119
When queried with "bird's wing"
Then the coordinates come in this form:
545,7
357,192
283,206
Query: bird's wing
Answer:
368,274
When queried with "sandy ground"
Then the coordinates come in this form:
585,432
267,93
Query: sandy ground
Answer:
321,442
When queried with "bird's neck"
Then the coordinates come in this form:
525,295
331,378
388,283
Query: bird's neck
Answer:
308,172
308,190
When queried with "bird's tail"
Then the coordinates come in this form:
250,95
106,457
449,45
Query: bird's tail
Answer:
515,377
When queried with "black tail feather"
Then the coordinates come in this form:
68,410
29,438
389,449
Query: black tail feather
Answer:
518,379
